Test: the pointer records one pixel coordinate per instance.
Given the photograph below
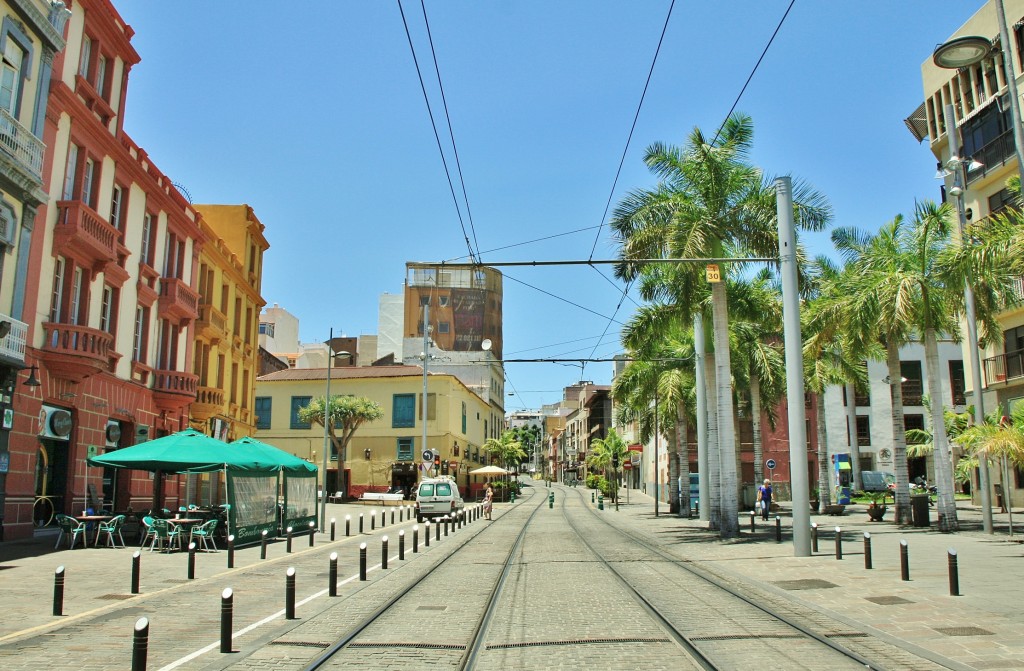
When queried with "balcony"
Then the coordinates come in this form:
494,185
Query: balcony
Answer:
72,352
83,235
178,301
24,147
209,402
12,345
212,324
1003,368
992,156
173,390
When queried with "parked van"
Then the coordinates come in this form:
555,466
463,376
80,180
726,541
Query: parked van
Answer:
437,497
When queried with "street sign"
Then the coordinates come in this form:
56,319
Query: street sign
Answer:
428,455
770,464
627,465
712,273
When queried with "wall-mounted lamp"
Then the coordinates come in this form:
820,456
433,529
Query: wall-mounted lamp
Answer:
33,380
366,453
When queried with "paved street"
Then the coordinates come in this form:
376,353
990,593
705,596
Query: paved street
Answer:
981,629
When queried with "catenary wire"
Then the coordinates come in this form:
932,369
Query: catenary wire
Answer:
525,242
564,300
437,137
451,133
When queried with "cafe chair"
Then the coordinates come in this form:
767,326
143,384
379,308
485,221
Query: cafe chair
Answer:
111,528
73,528
205,535
192,507
165,533
147,529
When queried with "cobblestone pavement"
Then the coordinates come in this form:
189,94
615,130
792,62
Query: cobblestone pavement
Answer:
981,629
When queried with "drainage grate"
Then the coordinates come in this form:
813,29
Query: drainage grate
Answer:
809,583
303,644
422,646
115,597
432,608
887,600
578,641
743,637
963,631
177,581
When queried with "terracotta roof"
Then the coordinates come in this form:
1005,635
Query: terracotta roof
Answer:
343,373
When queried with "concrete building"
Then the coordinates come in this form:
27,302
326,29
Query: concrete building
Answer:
226,358
387,452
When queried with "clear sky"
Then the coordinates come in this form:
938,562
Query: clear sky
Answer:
313,114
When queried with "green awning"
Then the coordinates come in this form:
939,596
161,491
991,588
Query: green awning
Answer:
258,456
844,466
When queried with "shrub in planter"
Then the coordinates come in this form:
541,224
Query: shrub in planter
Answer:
592,480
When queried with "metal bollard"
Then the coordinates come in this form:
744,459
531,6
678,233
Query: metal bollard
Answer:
954,574
360,523
231,551
600,502
362,561
373,520
332,529
437,531
839,543
140,644
382,514
191,561
904,561
447,520
415,538
263,544
288,538
392,516
58,591
814,537
591,497
426,536
332,576
752,523
384,552
227,606
348,526
401,545
312,534
778,529
136,571
867,550
551,500
289,594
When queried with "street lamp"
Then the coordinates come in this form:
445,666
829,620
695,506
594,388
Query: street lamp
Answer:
327,435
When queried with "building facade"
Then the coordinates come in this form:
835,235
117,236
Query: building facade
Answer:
226,360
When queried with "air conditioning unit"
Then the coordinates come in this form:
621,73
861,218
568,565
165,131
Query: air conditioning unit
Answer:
141,433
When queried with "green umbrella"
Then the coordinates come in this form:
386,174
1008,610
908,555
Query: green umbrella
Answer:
258,456
185,451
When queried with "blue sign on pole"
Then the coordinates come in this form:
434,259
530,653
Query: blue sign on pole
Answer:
770,464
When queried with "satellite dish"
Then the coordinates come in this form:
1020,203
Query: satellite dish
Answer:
486,345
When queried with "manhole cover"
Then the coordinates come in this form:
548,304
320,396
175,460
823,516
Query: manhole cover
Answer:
809,583
963,631
887,600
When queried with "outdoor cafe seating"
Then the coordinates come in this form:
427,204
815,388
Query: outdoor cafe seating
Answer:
73,529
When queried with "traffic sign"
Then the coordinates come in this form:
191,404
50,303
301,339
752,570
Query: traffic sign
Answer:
770,464
627,465
428,455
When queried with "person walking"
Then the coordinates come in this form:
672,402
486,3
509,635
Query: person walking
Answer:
764,499
488,500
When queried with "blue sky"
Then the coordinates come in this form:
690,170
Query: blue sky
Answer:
317,120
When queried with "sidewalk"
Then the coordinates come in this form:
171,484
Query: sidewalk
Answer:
983,628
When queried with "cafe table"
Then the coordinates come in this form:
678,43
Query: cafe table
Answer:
184,525
88,519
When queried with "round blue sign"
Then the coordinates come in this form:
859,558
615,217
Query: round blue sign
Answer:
770,464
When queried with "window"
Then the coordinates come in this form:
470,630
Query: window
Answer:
139,337
298,403
863,430
86,56
101,76
911,422
443,301
87,182
442,327
10,76
147,238
174,262
463,417
431,406
957,383
76,297
999,201
913,388
403,411
405,449
425,300
69,173
115,207
58,289
264,404
108,310
267,329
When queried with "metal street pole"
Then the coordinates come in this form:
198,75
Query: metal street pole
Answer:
327,435
657,473
960,181
426,356
1011,85
794,369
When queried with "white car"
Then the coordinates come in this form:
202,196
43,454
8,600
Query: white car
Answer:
437,497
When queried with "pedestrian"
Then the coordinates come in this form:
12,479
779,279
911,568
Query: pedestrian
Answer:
488,499
764,498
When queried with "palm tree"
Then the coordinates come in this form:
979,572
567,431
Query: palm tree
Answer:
507,448
709,203
921,442
347,414
610,451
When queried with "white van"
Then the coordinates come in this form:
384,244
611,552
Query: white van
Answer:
437,497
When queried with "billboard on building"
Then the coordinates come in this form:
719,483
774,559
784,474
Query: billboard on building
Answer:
468,316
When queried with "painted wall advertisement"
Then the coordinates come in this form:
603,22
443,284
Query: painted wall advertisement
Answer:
468,314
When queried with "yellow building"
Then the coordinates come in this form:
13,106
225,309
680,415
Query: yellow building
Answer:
388,452
226,354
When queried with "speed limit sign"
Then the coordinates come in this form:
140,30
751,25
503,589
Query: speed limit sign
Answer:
770,464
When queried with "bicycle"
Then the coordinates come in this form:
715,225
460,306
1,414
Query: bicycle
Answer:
43,511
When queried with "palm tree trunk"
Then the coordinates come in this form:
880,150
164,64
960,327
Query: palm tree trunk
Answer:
700,375
683,450
673,470
899,433
940,454
755,415
851,426
824,483
714,502
729,515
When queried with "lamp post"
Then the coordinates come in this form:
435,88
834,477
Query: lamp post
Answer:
327,434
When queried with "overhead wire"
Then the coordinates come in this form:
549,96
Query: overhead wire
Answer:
525,242
557,297
437,137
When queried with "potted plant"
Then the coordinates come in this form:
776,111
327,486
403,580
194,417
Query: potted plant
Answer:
815,500
877,507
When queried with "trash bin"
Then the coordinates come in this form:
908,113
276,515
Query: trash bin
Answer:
919,510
